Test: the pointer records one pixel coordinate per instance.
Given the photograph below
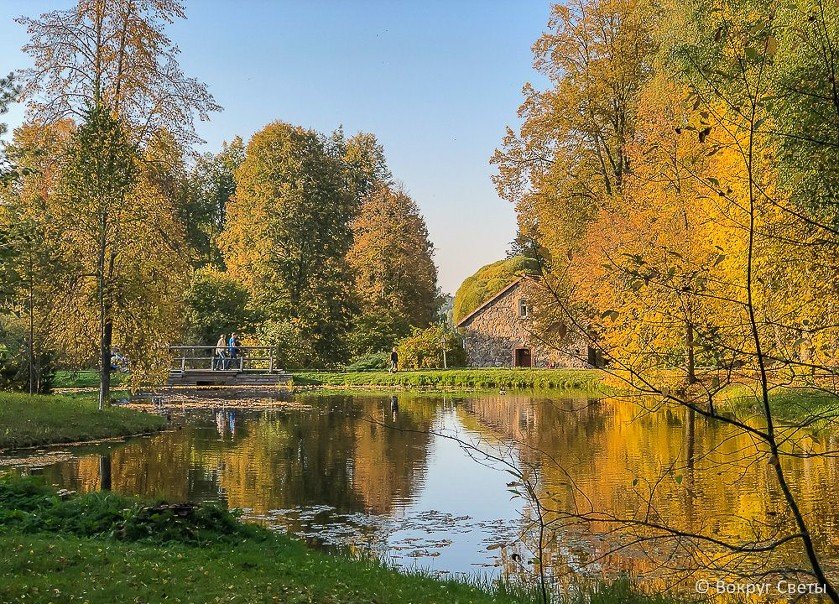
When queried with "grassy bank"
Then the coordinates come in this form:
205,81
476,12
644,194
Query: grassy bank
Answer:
105,548
86,378
42,420
816,408
455,379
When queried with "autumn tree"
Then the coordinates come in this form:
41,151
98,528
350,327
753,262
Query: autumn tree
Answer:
393,267
119,238
363,158
112,66
30,270
570,155
714,261
114,54
286,237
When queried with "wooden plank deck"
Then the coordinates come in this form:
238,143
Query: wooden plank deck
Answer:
229,377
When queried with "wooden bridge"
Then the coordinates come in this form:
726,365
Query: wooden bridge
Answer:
199,366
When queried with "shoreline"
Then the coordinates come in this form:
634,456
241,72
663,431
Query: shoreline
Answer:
105,547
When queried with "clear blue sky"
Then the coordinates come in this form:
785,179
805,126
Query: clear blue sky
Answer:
436,81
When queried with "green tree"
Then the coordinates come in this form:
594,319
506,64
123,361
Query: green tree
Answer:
805,107
8,90
99,172
393,265
216,304
286,237
212,185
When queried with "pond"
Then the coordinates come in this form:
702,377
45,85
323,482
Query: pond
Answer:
430,481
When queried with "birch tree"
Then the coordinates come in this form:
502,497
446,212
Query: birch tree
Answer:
110,64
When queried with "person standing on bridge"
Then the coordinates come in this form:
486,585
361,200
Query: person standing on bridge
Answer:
233,350
220,356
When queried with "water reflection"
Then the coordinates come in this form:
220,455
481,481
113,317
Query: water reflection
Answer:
391,475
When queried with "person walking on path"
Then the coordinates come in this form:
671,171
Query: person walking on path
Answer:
233,350
394,361
219,357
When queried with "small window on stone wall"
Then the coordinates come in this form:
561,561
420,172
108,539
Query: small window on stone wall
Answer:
523,309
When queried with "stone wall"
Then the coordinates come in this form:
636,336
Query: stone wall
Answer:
493,334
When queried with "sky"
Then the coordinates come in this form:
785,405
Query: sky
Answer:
436,81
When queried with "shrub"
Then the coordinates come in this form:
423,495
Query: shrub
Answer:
424,348
30,506
370,362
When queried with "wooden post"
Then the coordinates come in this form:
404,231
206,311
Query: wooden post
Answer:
271,360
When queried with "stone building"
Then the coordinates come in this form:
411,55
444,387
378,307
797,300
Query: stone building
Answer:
499,334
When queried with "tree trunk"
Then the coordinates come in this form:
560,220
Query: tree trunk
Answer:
106,335
691,361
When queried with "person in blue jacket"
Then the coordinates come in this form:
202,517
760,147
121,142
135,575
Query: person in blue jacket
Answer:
233,350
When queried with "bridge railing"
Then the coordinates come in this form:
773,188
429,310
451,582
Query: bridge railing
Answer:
251,358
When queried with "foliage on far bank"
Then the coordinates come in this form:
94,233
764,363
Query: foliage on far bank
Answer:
29,421
393,266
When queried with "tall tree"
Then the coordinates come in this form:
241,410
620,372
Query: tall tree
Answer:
115,54
212,183
286,237
364,163
8,91
393,265
571,153
715,261
111,64
31,271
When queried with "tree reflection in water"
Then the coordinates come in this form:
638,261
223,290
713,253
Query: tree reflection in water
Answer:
364,472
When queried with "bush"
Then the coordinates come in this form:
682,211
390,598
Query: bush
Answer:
370,362
30,506
424,348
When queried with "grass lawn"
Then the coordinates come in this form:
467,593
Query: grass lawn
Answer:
456,379
49,419
86,378
817,408
103,547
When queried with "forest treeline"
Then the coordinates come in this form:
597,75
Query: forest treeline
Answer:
677,183
116,234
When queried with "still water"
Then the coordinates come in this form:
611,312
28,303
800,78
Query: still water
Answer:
437,482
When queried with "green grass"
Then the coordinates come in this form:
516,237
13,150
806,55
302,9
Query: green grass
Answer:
107,548
86,378
49,419
817,408
456,379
